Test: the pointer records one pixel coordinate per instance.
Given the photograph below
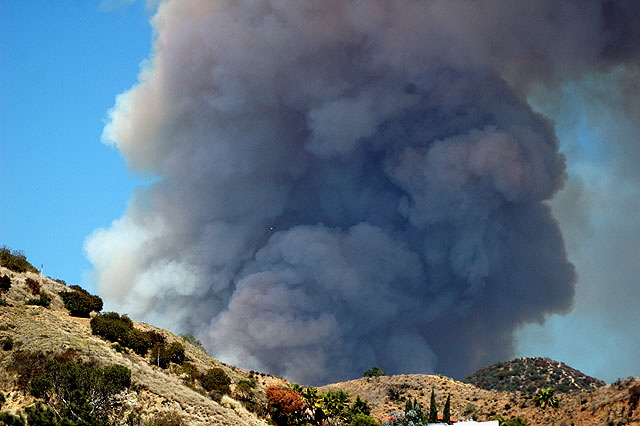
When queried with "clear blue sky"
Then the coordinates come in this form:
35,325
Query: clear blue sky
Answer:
62,63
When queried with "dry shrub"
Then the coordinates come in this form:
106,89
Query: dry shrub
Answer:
167,418
33,286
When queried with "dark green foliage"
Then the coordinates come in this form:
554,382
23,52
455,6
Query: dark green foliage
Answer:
44,416
162,355
360,406
5,283
529,374
3,399
374,372
81,393
15,260
363,420
11,420
111,326
446,413
34,286
138,341
216,380
433,409
44,300
79,302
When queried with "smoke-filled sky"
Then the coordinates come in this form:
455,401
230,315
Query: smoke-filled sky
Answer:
423,185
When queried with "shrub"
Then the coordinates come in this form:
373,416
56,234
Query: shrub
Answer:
138,341
82,393
112,326
283,404
15,260
11,420
374,372
5,283
190,338
216,380
363,420
44,300
7,344
79,302
33,286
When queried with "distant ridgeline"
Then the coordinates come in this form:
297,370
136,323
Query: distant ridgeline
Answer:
529,374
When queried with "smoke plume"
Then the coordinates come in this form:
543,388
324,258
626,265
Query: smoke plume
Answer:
341,184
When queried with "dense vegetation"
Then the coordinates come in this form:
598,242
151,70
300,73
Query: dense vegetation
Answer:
306,406
15,260
79,302
69,391
530,374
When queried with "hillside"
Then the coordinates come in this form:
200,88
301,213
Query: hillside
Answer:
530,374
31,331
615,404
26,330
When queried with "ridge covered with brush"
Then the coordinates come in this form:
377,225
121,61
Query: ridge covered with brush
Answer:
530,374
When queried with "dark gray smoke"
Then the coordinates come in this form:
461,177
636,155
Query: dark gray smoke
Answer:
343,184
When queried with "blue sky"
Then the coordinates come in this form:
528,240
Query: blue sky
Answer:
62,63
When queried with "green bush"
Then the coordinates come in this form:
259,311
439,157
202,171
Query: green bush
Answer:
112,326
79,302
138,341
374,372
11,420
15,260
83,394
216,380
44,300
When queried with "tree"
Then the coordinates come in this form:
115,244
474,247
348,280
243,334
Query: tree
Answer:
79,302
215,380
544,398
285,405
446,413
433,409
363,420
374,372
80,393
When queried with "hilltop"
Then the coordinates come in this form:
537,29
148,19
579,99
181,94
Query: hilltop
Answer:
530,374
31,331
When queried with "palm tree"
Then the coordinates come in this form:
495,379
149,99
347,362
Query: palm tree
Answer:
544,398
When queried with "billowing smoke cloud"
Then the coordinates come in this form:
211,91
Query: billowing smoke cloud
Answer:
348,183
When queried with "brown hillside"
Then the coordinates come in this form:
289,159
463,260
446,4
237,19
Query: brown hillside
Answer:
53,330
607,405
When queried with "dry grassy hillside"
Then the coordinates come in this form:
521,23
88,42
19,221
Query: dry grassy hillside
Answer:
50,330
26,329
615,404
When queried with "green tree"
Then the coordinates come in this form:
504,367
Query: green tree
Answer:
216,380
79,302
363,420
433,409
446,413
545,398
86,395
374,372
